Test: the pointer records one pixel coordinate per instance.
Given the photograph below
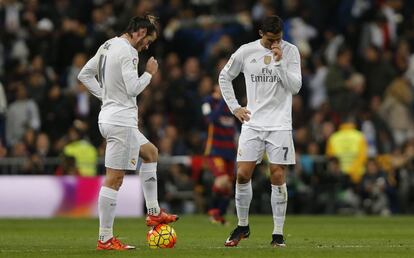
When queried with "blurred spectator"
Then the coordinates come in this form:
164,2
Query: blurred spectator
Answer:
404,164
37,87
377,33
334,41
350,147
3,150
224,47
395,109
373,188
300,33
3,109
410,70
22,114
85,154
29,140
334,189
79,60
378,71
390,9
317,84
67,167
69,42
57,113
42,145
179,146
339,83
179,190
377,132
299,181
86,108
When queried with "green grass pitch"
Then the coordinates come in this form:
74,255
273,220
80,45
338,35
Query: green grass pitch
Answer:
306,236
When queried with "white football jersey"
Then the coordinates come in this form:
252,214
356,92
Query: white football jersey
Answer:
269,84
117,84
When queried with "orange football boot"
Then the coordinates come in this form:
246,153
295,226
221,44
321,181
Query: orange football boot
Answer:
113,244
162,218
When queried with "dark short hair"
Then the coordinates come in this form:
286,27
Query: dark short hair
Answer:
273,24
148,22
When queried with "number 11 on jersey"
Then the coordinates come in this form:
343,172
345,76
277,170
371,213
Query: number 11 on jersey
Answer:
101,70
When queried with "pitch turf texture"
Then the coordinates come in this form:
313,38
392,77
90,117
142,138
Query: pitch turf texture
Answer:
319,236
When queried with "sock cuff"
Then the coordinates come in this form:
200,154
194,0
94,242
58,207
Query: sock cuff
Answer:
245,186
105,231
148,167
108,193
151,203
280,188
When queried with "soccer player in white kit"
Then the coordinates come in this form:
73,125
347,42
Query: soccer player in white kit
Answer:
272,73
117,84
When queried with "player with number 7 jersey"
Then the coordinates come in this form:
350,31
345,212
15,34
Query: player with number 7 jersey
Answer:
272,72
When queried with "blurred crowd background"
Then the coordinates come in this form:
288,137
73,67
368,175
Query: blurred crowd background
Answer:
353,118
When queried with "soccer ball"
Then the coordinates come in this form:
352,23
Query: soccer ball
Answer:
161,236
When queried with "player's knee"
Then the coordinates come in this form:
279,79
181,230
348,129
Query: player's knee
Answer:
119,182
114,182
278,176
150,154
243,177
153,154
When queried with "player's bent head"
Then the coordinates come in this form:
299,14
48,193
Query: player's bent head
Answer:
143,31
273,24
148,22
271,30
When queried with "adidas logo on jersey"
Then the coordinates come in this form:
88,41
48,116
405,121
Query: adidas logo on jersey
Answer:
253,61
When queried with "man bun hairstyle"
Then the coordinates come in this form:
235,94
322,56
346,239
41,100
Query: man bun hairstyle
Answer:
273,24
148,22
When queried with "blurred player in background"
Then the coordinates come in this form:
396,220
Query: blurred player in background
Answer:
117,85
272,73
221,150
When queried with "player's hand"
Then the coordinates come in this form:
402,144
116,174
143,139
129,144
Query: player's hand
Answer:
242,114
277,51
152,66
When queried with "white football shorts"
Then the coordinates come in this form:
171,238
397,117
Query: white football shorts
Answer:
278,145
122,146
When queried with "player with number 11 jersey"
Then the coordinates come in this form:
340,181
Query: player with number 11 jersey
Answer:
112,76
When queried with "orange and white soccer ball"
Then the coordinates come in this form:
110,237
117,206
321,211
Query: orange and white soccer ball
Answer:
161,236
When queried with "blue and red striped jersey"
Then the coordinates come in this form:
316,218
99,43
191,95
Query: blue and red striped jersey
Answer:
221,129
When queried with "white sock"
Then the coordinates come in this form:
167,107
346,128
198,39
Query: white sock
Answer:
148,177
243,198
106,206
279,203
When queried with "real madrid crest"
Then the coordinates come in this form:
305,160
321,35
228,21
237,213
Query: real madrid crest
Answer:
267,59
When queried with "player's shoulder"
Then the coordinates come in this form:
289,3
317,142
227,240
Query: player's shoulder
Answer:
248,46
116,43
287,46
121,47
